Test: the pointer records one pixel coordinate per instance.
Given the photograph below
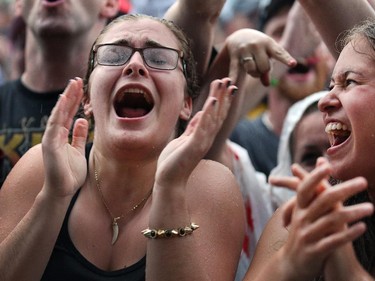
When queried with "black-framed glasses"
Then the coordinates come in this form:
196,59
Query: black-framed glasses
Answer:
162,58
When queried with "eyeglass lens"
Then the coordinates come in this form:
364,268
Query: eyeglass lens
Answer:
159,58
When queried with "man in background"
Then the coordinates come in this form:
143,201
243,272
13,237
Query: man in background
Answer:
286,22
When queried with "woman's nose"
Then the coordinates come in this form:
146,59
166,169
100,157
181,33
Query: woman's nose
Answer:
329,102
135,65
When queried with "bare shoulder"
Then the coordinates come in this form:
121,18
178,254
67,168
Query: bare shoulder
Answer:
214,195
216,205
21,187
213,179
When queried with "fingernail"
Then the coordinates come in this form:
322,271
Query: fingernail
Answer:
234,91
214,102
220,85
229,83
292,62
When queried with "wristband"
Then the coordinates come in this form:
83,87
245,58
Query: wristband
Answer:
171,232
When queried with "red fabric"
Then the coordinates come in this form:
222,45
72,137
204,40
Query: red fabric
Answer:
124,6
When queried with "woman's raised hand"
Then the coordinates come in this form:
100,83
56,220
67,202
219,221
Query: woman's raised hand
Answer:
254,51
316,219
182,154
65,162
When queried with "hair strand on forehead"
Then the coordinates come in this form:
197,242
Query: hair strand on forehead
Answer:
364,30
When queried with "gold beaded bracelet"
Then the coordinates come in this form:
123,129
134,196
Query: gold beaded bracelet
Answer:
169,233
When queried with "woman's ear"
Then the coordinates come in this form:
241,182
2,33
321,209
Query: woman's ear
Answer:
187,109
109,9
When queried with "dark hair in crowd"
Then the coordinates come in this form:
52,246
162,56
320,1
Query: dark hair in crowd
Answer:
272,9
364,30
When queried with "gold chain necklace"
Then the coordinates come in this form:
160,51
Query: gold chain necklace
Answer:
115,227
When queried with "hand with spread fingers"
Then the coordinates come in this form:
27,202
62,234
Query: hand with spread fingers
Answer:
65,163
316,219
186,151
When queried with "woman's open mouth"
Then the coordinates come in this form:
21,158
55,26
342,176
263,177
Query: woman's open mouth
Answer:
337,132
133,103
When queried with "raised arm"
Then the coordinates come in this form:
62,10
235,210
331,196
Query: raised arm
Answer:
335,16
198,19
246,56
211,252
33,200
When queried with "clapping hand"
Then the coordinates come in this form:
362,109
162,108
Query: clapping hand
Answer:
181,155
65,163
316,219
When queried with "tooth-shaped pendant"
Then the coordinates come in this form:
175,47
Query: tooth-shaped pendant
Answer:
114,231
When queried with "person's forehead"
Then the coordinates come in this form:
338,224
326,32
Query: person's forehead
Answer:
140,31
360,45
356,56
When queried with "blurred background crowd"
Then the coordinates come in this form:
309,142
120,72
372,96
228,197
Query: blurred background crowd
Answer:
236,14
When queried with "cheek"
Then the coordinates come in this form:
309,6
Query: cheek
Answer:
100,87
103,80
173,93
362,117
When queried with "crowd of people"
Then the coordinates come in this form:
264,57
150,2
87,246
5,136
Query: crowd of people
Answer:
187,140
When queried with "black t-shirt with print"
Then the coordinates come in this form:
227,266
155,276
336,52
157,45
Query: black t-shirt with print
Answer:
23,119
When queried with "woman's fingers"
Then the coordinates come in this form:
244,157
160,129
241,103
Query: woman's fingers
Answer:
258,62
316,239
340,238
334,196
65,163
216,107
321,161
74,96
287,211
188,149
287,182
337,220
61,118
80,132
311,183
254,51
206,123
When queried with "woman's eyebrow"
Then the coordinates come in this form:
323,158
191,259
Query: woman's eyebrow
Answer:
120,42
343,75
126,42
152,43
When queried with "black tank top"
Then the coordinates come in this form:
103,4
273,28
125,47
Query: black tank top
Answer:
67,264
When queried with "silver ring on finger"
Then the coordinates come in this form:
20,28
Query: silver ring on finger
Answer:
246,59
